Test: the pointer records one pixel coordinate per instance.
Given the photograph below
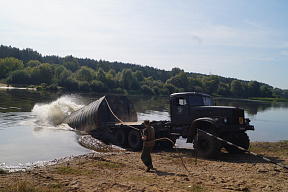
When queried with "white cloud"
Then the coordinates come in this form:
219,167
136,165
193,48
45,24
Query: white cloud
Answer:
284,52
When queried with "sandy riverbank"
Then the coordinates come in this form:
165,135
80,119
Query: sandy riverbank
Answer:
6,86
125,172
3,85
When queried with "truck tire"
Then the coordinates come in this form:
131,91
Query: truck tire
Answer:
121,138
207,146
135,140
242,141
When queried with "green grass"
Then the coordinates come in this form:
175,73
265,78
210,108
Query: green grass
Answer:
28,186
169,158
70,170
2,171
196,188
280,147
108,164
268,99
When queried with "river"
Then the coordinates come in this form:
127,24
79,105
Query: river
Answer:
29,135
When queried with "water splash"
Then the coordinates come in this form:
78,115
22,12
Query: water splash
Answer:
53,113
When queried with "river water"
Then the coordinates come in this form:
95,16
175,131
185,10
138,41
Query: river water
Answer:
29,135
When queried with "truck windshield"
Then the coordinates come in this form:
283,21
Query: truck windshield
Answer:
207,101
195,100
200,100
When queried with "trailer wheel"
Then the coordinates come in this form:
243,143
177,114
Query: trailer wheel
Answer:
121,138
135,140
207,146
242,141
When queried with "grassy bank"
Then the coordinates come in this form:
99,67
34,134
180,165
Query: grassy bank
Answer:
268,99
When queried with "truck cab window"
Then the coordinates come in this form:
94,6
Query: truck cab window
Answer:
195,100
207,101
181,101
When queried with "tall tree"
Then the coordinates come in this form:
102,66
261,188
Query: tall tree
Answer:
265,92
139,75
236,88
64,76
8,65
84,74
223,89
180,80
19,77
33,63
42,74
59,69
46,73
104,65
101,76
175,71
71,63
254,88
126,78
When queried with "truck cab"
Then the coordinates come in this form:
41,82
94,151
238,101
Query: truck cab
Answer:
184,105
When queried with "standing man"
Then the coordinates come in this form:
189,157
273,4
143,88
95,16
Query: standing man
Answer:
148,144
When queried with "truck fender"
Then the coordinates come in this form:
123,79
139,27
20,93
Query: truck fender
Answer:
203,123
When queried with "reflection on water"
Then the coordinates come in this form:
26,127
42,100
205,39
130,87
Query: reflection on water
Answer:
29,130
269,118
25,137
251,107
143,104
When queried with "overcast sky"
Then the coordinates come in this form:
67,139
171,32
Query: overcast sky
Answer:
244,39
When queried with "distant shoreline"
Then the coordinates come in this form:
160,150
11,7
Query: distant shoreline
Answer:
7,86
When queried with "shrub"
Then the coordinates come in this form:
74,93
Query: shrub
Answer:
19,77
98,86
147,90
84,86
2,171
71,84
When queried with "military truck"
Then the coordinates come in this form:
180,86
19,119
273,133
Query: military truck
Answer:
190,112
193,111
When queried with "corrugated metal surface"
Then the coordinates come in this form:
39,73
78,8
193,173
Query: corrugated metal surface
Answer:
90,117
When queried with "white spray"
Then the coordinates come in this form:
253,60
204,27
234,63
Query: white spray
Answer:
53,113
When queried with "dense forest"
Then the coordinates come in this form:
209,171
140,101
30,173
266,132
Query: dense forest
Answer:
29,68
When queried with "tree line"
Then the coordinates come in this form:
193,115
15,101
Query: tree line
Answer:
28,67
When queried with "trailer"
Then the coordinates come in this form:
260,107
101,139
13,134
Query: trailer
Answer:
114,118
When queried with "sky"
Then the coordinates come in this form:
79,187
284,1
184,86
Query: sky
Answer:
243,39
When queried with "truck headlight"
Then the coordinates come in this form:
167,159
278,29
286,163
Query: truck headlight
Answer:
225,120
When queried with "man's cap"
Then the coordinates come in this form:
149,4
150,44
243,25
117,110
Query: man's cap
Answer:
146,121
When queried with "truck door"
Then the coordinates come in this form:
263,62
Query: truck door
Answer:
194,101
180,111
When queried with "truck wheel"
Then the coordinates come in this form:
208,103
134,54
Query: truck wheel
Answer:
135,140
242,141
207,146
121,138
